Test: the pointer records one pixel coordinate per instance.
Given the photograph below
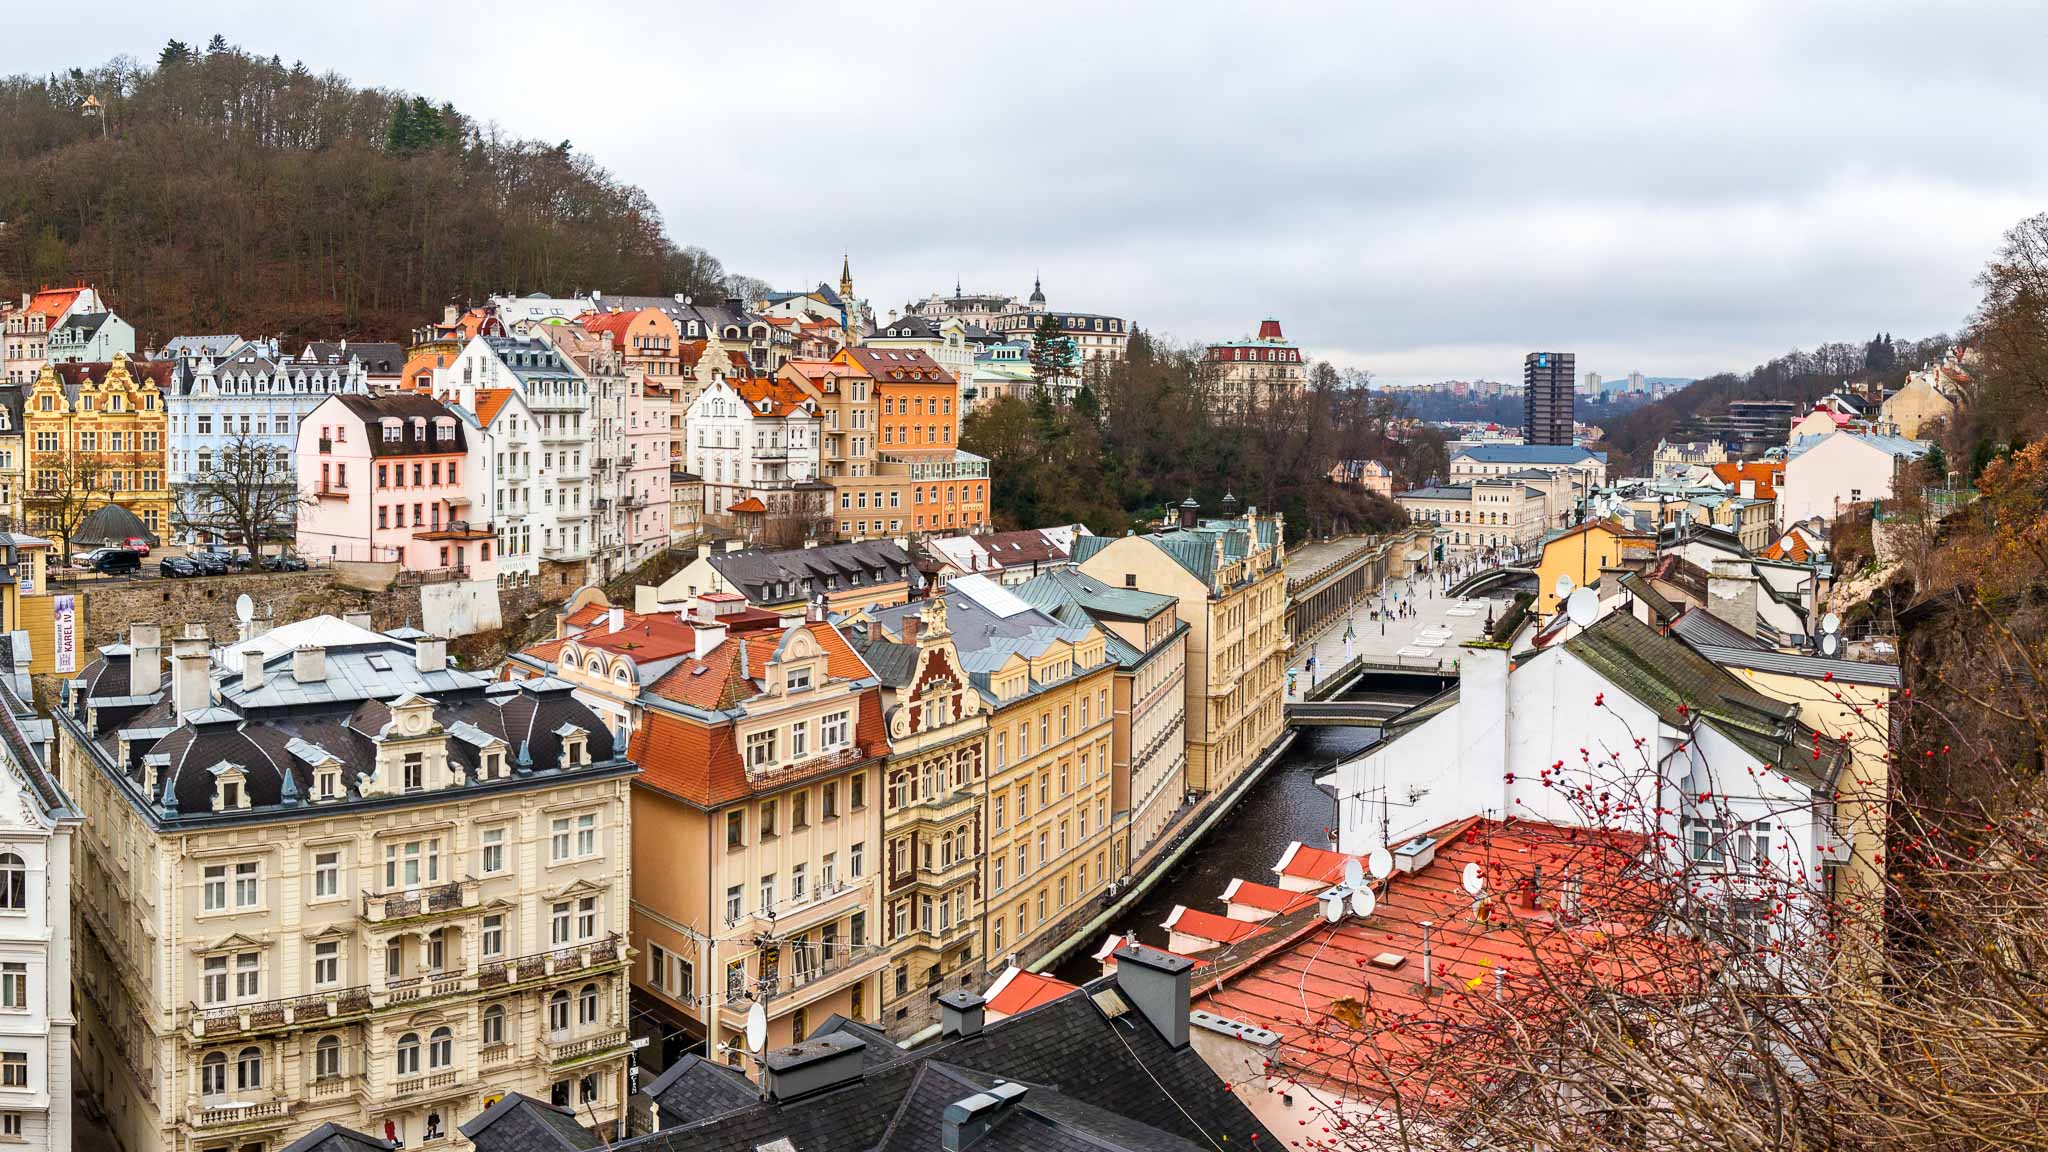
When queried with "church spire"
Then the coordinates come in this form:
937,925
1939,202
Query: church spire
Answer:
845,276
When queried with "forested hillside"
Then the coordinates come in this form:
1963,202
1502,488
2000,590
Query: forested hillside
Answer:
1803,376
220,190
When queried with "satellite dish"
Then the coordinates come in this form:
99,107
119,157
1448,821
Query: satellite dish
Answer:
1474,882
1831,623
1333,905
1564,585
1583,607
1353,874
757,1027
1830,644
1363,902
245,608
1381,862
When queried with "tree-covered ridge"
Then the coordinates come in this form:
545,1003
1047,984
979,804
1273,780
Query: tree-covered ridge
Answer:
219,190
1146,432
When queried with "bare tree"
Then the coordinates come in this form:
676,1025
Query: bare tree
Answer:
248,495
60,498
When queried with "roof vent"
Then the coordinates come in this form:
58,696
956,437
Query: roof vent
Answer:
966,1121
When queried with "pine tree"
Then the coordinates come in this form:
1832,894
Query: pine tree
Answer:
1051,353
175,52
219,43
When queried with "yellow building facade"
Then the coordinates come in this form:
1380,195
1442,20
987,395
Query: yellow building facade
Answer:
94,434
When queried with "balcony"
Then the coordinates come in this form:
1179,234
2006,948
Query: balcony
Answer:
446,1083
456,896
601,504
947,874
326,445
268,1114
791,990
287,1012
427,986
573,514
330,1087
547,965
821,905
569,1049
337,490
514,474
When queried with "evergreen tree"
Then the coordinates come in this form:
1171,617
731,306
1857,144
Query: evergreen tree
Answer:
1936,465
175,52
1051,352
218,44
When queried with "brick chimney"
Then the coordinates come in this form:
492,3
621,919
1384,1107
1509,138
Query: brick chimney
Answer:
146,661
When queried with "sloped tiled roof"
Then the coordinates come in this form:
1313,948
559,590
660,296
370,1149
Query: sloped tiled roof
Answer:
488,402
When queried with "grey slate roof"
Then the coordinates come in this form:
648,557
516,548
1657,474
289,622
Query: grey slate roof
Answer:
815,571
332,1137
379,359
1091,1082
1714,639
278,733
694,1086
1529,454
110,524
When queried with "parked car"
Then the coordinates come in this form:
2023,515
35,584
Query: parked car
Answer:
283,562
210,563
239,558
116,561
177,568
137,545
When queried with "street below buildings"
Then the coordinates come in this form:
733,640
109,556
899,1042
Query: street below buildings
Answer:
1410,622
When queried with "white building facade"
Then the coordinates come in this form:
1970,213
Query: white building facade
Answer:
38,827
558,399
752,439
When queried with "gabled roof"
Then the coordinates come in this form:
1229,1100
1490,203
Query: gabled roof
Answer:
1207,925
488,402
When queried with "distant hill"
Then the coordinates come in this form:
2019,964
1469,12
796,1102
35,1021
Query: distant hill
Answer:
1801,376
222,191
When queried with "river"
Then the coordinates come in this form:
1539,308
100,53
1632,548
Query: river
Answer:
1284,806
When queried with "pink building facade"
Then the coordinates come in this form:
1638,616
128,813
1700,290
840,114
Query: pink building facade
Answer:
389,479
646,494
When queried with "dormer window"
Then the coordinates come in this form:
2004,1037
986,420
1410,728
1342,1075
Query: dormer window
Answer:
391,431
415,771
491,766
799,679
575,748
230,796
327,784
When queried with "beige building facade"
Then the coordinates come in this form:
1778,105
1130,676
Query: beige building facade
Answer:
326,877
1229,578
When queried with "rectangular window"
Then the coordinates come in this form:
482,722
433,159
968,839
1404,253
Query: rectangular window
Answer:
586,834
732,904
761,754
767,893
246,887
558,839
493,851
834,732
14,1070
856,860
558,923
326,963
800,807
213,980
857,793
248,976
767,819
327,873
494,935
735,830
586,918
14,987
828,800
214,888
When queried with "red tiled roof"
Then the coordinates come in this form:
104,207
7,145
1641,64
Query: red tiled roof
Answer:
1305,863
1265,897
700,762
1208,925
750,504
1764,472
782,396
899,366
612,324
488,402
1791,546
1346,998
1017,990
54,302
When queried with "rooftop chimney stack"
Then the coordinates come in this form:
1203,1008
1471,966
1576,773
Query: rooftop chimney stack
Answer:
960,1014
146,659
309,664
252,669
360,620
431,652
614,619
191,687
1156,984
966,1121
812,1066
1732,595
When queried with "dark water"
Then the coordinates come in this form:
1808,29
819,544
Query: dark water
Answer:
1283,807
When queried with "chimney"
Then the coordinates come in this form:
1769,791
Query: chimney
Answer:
448,315
431,652
360,620
913,624
252,669
1748,489
709,636
191,687
1156,984
1189,512
615,620
960,1014
966,1121
703,549
309,664
146,661
1731,595
810,1067
1483,724
1415,855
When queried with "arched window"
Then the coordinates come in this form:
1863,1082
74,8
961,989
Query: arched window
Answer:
441,1048
558,1012
586,1005
327,1058
494,1026
409,1054
13,883
213,1074
249,1070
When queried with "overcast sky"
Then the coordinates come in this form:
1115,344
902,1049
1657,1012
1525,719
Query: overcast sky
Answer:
1422,190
